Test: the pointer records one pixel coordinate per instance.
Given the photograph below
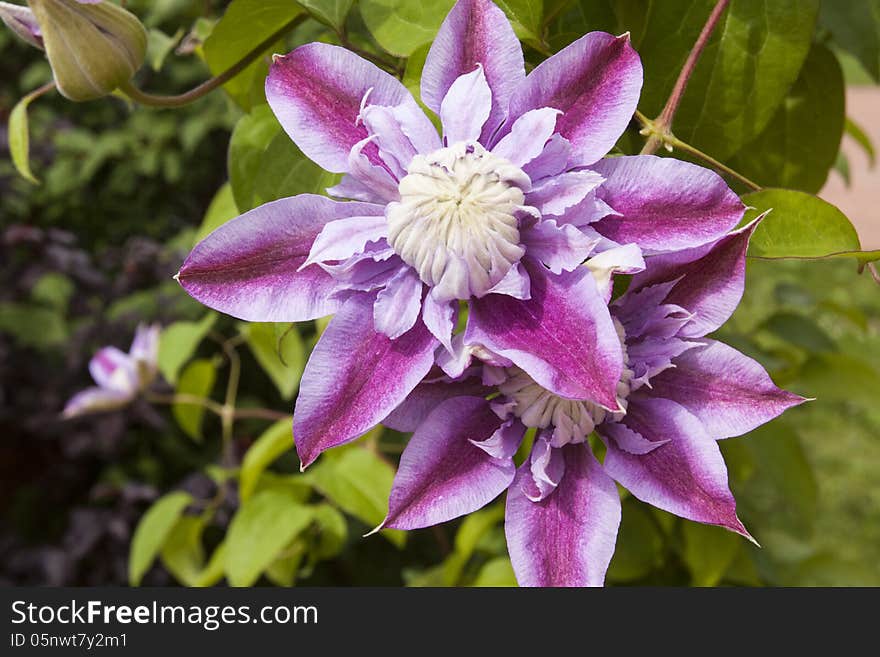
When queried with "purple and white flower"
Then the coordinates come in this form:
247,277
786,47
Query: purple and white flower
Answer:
120,376
678,394
499,211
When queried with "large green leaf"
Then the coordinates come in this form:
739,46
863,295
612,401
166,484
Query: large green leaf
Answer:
183,554
527,17
271,444
152,532
261,529
245,25
639,544
401,26
196,380
708,552
799,146
747,68
799,226
251,136
855,26
178,342
496,572
359,482
279,350
332,12
221,209
19,138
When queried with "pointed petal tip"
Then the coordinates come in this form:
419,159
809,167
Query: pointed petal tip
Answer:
375,529
626,37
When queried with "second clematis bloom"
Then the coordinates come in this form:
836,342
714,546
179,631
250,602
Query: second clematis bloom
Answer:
679,393
498,211
120,376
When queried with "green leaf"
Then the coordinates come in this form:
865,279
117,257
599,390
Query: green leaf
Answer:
283,571
800,331
197,379
284,171
496,572
279,350
332,12
215,570
221,209
159,46
53,290
152,532
358,482
799,146
183,554
179,342
273,442
527,17
245,24
575,19
639,544
751,61
251,136
799,226
332,532
855,26
839,378
261,529
19,138
33,326
708,552
401,26
855,131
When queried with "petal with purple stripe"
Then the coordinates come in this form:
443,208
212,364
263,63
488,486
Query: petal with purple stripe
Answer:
563,336
568,538
355,377
248,268
114,370
595,81
426,396
317,91
686,476
474,32
664,204
442,474
96,400
730,393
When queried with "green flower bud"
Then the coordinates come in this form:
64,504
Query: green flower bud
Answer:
93,48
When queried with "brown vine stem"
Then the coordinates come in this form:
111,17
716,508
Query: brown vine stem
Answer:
154,100
662,126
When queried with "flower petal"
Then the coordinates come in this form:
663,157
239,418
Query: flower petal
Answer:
474,32
730,393
427,396
113,369
317,91
528,136
248,268
355,377
563,336
401,133
398,304
343,238
595,81
625,259
568,538
466,107
96,400
665,204
560,248
686,476
552,160
442,474
707,281
440,318
555,195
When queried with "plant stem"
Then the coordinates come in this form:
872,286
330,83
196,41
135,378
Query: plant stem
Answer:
154,100
214,407
670,141
228,416
663,123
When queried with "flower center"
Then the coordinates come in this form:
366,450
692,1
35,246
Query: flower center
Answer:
456,222
572,420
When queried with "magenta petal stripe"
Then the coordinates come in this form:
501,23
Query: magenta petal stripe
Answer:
665,204
442,474
685,476
355,377
316,92
595,81
568,538
474,32
248,268
563,336
730,393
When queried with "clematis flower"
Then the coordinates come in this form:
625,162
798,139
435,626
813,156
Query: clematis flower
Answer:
678,394
499,212
22,22
120,377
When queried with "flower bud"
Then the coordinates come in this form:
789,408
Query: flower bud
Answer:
22,21
93,47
